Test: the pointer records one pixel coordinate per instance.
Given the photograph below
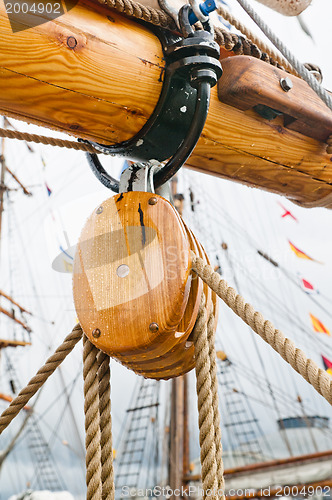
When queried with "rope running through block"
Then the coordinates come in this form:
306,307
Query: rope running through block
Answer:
107,472
92,421
305,366
208,405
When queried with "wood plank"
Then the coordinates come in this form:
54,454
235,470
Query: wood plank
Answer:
102,66
9,399
107,86
11,315
247,82
13,343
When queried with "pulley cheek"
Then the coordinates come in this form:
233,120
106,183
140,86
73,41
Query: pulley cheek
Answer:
132,278
134,291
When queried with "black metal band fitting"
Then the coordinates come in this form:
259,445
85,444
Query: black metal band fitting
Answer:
192,68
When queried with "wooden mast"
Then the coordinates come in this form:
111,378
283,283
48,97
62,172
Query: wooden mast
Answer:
2,180
10,314
97,75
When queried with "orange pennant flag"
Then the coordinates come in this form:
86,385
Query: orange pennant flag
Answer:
299,253
318,325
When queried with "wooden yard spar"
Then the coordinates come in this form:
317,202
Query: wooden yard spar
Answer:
97,75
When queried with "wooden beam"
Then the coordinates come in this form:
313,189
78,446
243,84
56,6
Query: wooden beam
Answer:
299,489
24,189
13,343
176,436
8,297
272,464
11,315
9,399
97,75
2,181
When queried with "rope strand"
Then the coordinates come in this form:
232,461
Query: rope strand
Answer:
48,141
205,405
306,367
40,378
215,402
92,421
284,64
107,472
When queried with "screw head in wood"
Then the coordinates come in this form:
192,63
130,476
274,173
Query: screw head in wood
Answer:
96,333
286,84
153,200
71,42
99,210
153,327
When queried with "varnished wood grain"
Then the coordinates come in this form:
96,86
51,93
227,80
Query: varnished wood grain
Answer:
247,82
181,355
108,85
82,90
190,314
150,240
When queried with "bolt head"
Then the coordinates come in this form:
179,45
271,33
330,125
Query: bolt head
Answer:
286,84
153,201
96,333
71,42
99,210
153,327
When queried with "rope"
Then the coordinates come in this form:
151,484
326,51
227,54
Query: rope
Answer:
40,378
329,145
301,70
215,402
306,367
48,141
136,9
230,41
92,421
206,414
223,12
107,472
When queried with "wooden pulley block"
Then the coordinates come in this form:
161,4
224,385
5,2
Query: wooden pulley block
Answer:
181,358
135,294
132,276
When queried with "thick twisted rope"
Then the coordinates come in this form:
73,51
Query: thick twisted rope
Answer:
92,421
40,378
329,145
306,367
230,41
136,9
223,12
301,70
48,141
107,472
206,417
215,402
